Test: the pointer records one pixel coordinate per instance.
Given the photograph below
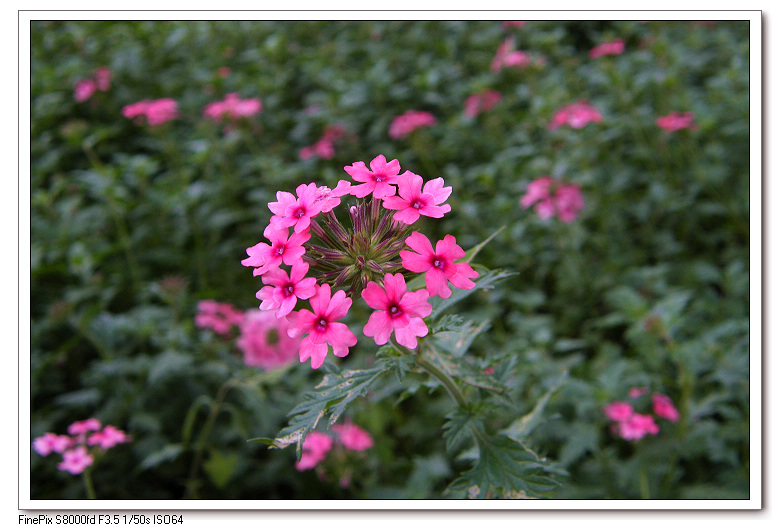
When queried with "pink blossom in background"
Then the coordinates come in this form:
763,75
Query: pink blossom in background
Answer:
297,212
378,180
664,408
414,199
84,89
84,426
219,317
314,450
321,327
506,55
282,291
676,121
514,23
636,392
156,111
51,443
353,437
577,115
109,437
264,340
397,310
615,47
438,265
410,121
284,248
637,426
323,148
551,198
481,102
102,77
233,107
618,411
223,71
74,461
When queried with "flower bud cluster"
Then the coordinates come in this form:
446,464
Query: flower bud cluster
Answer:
368,251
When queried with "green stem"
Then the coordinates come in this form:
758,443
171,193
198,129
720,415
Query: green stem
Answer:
87,477
644,486
437,373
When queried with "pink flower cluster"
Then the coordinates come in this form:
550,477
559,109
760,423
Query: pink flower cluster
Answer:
676,121
506,55
552,198
232,107
100,80
323,148
369,258
630,425
481,102
78,449
156,111
217,316
410,121
317,445
614,47
577,115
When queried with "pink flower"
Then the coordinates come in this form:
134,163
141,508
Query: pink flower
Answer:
577,115
284,248
51,443
615,47
410,121
637,426
637,392
330,198
566,201
507,56
618,411
481,102
233,107
664,408
102,77
513,23
108,437
84,426
264,340
378,180
439,266
295,211
676,121
156,111
323,148
397,310
321,326
315,448
283,292
84,89
74,461
416,200
353,437
217,316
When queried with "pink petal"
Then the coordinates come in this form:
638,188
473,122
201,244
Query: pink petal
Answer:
375,296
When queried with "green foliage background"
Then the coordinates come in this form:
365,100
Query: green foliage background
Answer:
132,225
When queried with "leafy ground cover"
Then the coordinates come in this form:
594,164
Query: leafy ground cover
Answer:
602,354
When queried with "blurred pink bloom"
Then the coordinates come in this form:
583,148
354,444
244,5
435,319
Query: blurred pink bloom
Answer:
323,148
676,121
615,47
290,210
219,317
74,461
315,448
102,77
636,392
108,437
84,426
353,437
321,327
397,310
439,266
618,411
415,199
506,55
283,248
637,426
156,111
409,121
514,23
264,340
577,115
378,180
551,198
664,408
51,443
282,292
223,71
481,102
233,107
84,89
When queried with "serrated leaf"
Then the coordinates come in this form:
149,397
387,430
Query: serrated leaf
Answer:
469,373
457,339
460,427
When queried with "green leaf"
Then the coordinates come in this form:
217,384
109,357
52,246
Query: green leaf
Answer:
521,427
460,427
472,252
220,467
486,280
457,338
166,454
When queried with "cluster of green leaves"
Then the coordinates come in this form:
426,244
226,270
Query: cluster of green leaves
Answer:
131,226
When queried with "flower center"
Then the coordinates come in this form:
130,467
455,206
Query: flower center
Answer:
417,204
290,288
379,177
300,212
280,250
439,264
322,324
394,311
